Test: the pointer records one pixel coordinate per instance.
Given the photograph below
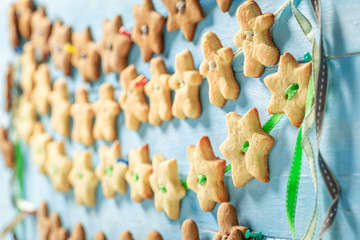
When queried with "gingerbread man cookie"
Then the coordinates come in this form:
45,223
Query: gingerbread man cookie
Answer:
132,98
147,32
85,58
83,179
25,118
60,107
154,235
113,47
43,222
216,67
60,36
138,174
159,92
185,82
28,65
77,233
110,171
83,114
6,148
228,224
39,141
58,166
126,235
106,110
40,31
42,89
247,147
254,38
224,5
189,230
288,87
20,20
167,188
183,14
57,231
206,176
99,236
8,84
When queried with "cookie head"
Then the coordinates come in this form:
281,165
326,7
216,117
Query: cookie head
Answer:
40,31
154,235
147,32
20,20
224,5
60,36
6,148
126,235
85,58
189,230
77,233
113,47
81,95
99,236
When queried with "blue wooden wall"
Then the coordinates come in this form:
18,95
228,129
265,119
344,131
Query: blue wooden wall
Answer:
260,206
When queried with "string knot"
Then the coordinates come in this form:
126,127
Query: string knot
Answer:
180,6
249,34
212,66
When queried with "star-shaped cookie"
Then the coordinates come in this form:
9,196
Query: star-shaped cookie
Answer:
77,233
42,89
7,148
60,35
189,230
216,67
290,74
132,98
167,188
57,231
25,118
147,32
58,166
40,31
106,109
224,5
254,38
85,58
138,174
28,66
83,114
247,147
228,224
159,92
185,82
110,172
43,222
183,14
60,107
206,176
20,20
39,141
82,177
8,85
113,47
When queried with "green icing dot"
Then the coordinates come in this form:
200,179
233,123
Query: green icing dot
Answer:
245,146
162,188
202,179
109,171
135,176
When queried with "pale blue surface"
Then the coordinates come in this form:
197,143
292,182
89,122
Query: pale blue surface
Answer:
260,206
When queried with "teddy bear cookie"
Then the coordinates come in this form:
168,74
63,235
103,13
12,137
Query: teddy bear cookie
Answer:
58,166
106,109
82,177
154,235
85,57
126,235
183,14
28,66
228,224
42,89
77,233
6,148
60,107
185,82
216,67
189,230
39,141
20,20
224,5
138,174
40,31
254,38
8,85
99,236
147,32
57,232
159,92
111,171
113,47
288,87
247,147
206,176
132,98
25,118
168,189
83,114
60,36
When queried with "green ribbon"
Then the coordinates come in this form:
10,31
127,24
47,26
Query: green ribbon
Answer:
19,169
245,146
291,91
